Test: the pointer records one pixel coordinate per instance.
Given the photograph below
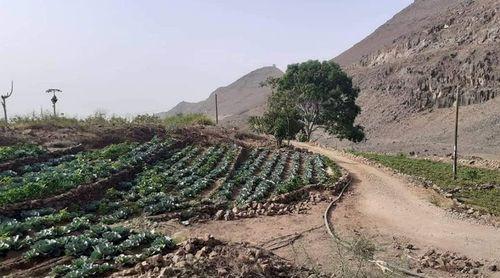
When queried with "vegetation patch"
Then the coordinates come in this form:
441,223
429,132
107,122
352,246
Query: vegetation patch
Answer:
19,151
184,181
468,187
102,120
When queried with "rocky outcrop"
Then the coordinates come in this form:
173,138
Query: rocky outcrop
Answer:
457,49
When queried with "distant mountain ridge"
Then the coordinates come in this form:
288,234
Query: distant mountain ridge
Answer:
239,100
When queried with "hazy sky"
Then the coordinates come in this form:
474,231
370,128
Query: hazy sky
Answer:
129,57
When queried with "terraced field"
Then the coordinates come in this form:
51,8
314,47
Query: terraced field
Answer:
63,216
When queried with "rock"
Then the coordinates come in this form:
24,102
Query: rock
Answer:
180,264
180,252
266,267
213,255
189,257
199,254
189,248
487,186
235,210
176,259
228,216
139,268
208,237
222,271
219,215
155,260
129,272
493,268
430,252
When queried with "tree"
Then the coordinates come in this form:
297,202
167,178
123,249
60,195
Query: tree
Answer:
319,94
281,118
54,98
4,104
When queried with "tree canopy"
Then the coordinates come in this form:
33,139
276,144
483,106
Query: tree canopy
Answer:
309,96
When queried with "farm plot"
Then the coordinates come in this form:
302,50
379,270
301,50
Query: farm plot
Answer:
85,168
266,173
19,151
90,240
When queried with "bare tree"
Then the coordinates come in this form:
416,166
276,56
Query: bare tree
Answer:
4,98
54,98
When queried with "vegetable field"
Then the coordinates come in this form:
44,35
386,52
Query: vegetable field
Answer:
87,239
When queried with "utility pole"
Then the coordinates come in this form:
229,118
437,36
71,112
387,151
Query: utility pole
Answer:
216,111
455,147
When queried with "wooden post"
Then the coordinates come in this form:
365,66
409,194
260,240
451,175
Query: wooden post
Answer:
216,111
455,146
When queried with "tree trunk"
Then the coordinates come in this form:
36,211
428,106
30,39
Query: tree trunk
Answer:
308,132
5,112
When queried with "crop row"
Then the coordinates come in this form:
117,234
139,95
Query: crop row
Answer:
19,151
84,239
170,184
84,168
246,174
279,171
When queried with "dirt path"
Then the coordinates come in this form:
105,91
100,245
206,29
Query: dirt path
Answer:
389,206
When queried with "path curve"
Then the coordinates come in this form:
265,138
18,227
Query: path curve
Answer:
391,206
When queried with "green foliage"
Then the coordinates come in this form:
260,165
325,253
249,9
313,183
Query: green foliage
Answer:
281,120
85,168
290,185
471,174
18,151
441,174
310,95
82,267
100,119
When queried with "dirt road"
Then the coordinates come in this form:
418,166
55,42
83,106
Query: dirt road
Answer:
389,205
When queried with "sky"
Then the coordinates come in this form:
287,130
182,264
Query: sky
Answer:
129,57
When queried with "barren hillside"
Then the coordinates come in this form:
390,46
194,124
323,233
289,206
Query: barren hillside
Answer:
410,68
243,98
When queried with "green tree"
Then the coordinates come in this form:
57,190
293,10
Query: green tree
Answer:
281,119
316,94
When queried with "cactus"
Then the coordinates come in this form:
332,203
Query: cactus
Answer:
4,98
54,98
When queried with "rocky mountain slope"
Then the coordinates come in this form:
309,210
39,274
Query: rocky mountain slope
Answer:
243,98
410,69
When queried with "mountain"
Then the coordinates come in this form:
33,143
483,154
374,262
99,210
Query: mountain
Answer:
409,71
243,98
